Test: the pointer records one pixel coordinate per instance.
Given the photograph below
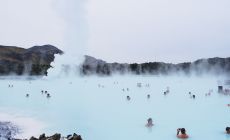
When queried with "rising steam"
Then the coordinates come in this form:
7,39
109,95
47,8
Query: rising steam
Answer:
73,14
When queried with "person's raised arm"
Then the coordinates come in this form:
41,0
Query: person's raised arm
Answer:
178,131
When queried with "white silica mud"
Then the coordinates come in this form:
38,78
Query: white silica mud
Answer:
97,107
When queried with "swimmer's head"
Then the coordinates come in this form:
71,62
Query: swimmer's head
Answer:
183,131
228,129
150,120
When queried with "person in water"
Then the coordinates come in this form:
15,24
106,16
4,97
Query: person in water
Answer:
148,96
128,98
149,122
193,96
183,134
228,130
48,95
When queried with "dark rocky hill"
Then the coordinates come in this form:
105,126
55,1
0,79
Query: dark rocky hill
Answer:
33,61
36,61
215,65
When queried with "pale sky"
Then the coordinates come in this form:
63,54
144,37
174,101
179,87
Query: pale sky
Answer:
121,30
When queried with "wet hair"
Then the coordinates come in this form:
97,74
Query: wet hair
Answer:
150,119
227,128
183,131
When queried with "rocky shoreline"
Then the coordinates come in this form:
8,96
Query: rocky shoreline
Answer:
57,136
9,131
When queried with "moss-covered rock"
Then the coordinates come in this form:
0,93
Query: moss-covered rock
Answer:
33,61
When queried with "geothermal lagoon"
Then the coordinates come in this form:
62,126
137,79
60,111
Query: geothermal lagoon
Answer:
97,107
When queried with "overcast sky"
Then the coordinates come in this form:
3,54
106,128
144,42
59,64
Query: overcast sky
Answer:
121,30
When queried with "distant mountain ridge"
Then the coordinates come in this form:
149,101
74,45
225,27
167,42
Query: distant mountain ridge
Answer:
32,61
37,59
215,65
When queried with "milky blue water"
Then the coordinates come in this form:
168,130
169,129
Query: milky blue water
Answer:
102,112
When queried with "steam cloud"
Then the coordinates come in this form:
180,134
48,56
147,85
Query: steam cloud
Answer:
27,23
72,12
